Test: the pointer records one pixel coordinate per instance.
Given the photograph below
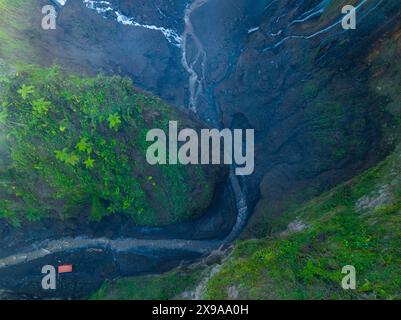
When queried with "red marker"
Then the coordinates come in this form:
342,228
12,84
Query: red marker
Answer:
67,268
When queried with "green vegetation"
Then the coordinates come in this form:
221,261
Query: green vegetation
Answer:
357,223
163,287
76,146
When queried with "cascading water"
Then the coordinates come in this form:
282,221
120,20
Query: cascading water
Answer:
196,88
106,9
315,12
195,80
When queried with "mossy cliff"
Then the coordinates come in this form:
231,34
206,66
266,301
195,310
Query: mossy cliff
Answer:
74,146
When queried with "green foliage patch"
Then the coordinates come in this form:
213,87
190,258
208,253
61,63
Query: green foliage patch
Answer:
307,265
76,146
164,287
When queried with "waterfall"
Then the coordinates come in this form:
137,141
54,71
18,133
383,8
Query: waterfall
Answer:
107,10
196,88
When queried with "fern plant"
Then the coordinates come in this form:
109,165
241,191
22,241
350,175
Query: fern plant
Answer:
114,121
25,91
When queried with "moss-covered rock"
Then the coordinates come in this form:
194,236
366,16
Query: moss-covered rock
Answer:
77,146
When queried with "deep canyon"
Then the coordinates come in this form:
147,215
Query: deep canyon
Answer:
317,96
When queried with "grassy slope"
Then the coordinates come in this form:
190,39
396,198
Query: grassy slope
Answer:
357,223
162,287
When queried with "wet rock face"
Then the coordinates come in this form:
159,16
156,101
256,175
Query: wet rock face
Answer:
307,95
168,14
86,42
288,70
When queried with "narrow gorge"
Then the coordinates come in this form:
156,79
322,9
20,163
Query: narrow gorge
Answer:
325,106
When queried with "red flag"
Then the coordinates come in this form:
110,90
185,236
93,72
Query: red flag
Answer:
65,268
